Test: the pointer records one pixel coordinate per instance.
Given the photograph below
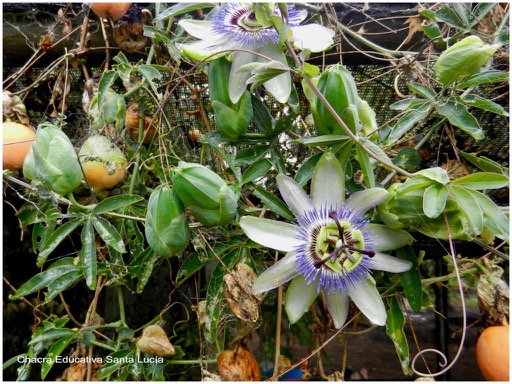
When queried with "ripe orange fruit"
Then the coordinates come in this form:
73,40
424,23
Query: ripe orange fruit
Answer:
115,10
102,162
131,123
17,140
492,353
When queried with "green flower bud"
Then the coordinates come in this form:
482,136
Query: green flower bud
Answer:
166,229
463,59
231,119
29,165
368,117
56,162
339,88
205,194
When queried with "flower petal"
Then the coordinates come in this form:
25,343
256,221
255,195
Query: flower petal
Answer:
382,262
238,81
299,297
313,37
294,196
365,295
280,86
278,274
270,233
328,183
387,239
337,304
361,202
201,29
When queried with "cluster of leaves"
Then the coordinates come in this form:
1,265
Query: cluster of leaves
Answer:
114,248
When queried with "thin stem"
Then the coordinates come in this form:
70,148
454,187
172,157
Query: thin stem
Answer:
278,323
120,300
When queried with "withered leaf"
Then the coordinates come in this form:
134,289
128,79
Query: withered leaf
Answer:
155,342
237,291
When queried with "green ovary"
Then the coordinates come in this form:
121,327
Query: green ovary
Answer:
329,239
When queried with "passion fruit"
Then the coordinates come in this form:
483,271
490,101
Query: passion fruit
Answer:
492,353
103,163
115,10
17,140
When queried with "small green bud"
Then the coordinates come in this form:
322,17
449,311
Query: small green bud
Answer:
167,230
367,116
205,194
56,162
29,166
463,59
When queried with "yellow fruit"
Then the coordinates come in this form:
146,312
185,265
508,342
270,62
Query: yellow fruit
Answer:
492,353
102,162
116,10
238,365
17,140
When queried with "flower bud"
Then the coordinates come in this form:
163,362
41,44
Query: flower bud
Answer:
56,162
368,117
463,59
231,119
339,88
166,229
205,194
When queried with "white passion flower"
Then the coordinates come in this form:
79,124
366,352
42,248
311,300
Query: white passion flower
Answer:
235,28
331,247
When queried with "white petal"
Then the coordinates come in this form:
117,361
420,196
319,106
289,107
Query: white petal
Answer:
328,183
278,274
299,297
201,29
360,202
387,239
366,297
313,37
295,197
270,233
280,86
337,304
382,262
237,81
201,50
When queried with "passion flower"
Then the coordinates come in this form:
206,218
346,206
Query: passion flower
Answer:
331,247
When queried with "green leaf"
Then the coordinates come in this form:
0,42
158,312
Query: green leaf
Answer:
484,163
434,200
55,351
182,8
422,90
416,113
262,117
395,330
436,174
483,104
432,31
88,254
364,161
482,180
470,207
411,279
52,334
407,158
116,202
484,77
458,115
447,15
305,171
107,80
256,170
323,141
250,155
56,237
494,218
141,267
62,268
272,202
108,233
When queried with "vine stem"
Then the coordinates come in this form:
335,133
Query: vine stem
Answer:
445,367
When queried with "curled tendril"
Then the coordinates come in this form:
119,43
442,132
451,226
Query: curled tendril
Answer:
443,365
